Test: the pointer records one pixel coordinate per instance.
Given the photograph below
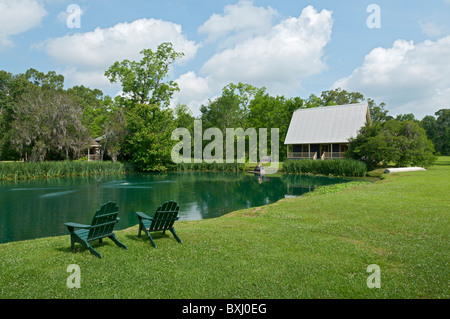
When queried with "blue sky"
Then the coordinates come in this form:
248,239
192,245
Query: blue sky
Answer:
293,48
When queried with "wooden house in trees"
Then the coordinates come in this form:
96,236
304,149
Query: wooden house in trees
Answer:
94,151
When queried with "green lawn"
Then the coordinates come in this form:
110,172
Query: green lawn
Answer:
312,247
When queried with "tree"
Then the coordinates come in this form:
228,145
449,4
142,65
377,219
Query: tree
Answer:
401,143
429,124
378,113
115,132
141,128
95,108
45,121
148,143
273,112
406,117
6,103
184,118
442,140
313,101
231,109
51,80
144,81
339,96
438,130
13,87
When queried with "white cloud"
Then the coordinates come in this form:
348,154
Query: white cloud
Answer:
238,21
433,30
409,78
194,91
279,59
86,56
19,16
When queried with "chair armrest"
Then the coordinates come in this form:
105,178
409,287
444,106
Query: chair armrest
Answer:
75,225
142,215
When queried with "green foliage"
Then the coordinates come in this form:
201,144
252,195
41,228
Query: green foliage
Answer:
406,117
140,128
51,80
95,108
245,106
438,130
231,109
38,119
340,97
339,167
330,189
45,121
32,170
144,79
149,144
401,143
266,111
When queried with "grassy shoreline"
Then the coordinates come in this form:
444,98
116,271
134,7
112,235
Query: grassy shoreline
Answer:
18,171
13,171
309,247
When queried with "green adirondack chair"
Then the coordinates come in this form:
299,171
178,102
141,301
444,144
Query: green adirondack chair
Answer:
163,219
102,226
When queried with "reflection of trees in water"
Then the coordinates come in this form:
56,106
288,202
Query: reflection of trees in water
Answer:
206,194
39,208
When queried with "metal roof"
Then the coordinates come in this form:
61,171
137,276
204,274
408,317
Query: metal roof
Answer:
330,124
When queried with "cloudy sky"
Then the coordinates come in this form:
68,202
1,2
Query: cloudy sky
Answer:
397,52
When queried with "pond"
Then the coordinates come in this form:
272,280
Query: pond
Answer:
39,208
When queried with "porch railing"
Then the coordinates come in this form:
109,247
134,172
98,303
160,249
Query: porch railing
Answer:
334,154
301,154
93,157
314,155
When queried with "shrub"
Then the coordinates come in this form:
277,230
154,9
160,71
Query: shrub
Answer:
401,143
338,167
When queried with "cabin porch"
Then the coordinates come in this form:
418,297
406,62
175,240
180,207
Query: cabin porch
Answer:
317,151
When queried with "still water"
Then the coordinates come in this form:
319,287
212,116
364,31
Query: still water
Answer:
39,208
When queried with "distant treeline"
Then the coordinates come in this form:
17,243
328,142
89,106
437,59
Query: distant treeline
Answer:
41,121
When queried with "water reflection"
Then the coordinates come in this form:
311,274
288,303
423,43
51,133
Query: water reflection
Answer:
32,209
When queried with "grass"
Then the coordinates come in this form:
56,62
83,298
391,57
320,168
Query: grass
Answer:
318,246
35,170
329,189
337,167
